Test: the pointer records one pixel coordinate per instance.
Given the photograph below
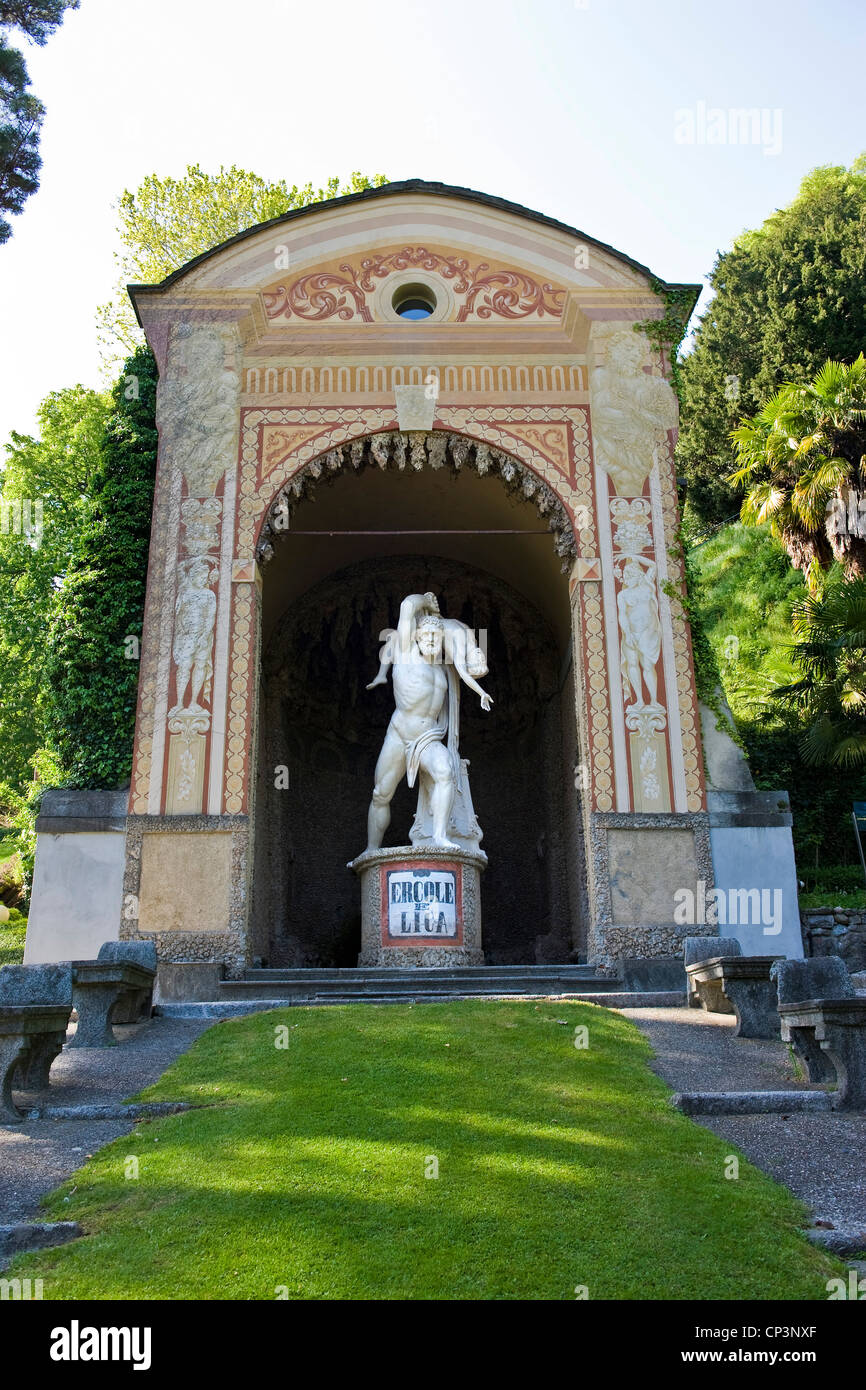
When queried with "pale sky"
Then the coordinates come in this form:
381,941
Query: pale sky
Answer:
571,107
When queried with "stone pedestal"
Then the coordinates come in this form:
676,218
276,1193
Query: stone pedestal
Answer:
420,907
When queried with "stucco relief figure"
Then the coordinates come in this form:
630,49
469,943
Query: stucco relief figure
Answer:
631,412
198,413
428,656
192,648
201,521
640,634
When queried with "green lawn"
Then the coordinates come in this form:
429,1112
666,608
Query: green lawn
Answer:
854,898
305,1175
12,944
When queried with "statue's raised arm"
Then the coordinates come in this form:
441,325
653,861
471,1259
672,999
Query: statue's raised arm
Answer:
410,610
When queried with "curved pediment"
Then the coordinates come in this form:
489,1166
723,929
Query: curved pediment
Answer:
477,260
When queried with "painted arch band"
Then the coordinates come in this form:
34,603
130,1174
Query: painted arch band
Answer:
416,450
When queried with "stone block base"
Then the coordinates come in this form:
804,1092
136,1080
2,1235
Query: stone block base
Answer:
187,980
420,907
660,973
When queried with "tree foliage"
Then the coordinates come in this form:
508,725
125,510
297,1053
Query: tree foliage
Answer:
21,113
749,593
45,480
36,18
788,296
803,460
91,670
830,650
164,223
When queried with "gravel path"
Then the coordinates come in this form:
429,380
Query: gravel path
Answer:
39,1154
821,1158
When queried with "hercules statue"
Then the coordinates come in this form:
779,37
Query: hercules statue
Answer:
424,653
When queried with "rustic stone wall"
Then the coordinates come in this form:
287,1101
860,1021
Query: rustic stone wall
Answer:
836,932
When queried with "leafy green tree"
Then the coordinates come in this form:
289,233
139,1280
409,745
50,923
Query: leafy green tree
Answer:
44,486
21,116
830,650
166,222
748,594
92,648
788,296
803,460
21,113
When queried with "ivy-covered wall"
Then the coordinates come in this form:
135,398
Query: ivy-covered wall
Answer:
93,647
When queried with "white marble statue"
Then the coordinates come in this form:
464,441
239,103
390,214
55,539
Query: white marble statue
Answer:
427,653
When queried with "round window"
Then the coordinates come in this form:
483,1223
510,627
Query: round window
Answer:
413,301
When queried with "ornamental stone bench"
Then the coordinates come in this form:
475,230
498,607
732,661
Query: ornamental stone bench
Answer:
825,1022
722,980
35,1004
117,987
696,950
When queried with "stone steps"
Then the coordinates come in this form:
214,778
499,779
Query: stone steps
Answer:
751,1102
617,999
464,972
235,1008
271,988
383,983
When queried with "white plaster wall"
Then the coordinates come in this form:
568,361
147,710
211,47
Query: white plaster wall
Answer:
760,857
77,895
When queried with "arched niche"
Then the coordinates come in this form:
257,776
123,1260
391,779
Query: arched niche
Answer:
334,580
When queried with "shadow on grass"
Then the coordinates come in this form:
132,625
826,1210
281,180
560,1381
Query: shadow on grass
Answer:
462,1150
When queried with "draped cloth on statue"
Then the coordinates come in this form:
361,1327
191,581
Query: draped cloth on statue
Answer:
416,748
447,723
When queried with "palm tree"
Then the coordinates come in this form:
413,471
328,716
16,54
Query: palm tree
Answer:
803,460
830,650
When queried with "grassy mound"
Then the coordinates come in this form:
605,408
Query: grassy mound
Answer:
310,1173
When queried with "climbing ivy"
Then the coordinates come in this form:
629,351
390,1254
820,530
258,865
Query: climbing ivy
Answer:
667,333
708,679
93,647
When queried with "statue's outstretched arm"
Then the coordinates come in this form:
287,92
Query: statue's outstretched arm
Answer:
486,700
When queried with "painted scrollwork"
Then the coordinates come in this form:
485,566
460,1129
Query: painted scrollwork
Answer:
320,296
486,291
509,294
